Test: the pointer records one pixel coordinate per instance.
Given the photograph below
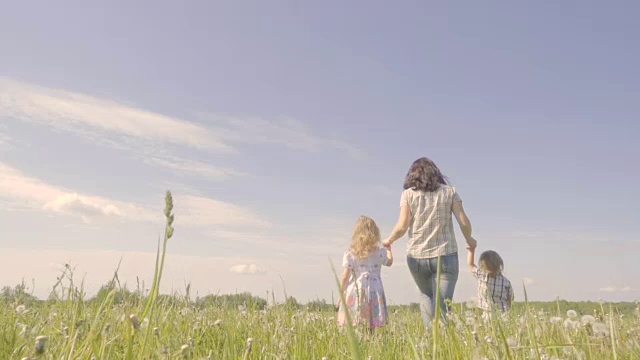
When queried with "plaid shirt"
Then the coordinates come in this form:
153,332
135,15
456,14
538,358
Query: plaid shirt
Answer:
493,292
431,228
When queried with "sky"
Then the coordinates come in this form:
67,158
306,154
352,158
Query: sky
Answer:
277,124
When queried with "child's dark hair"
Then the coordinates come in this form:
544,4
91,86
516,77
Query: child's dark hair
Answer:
491,262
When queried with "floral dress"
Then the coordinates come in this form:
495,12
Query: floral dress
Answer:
364,295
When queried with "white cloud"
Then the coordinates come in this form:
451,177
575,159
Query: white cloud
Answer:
626,289
609,289
247,269
288,132
145,132
89,116
195,167
200,211
19,190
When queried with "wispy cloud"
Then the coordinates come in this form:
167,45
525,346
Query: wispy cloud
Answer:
5,139
288,132
147,133
247,269
20,190
609,289
612,289
96,117
195,167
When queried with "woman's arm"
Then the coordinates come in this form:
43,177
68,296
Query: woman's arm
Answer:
464,222
401,226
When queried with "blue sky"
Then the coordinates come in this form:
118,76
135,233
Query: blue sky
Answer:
276,125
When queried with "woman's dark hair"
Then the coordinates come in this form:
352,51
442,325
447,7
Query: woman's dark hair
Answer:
424,175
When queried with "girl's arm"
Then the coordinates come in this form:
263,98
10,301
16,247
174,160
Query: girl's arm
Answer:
389,255
344,280
470,257
401,226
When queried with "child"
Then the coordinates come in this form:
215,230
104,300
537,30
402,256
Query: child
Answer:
494,290
360,282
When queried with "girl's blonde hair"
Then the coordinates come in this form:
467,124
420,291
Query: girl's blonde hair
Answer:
365,238
491,262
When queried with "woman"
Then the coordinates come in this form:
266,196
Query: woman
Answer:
426,206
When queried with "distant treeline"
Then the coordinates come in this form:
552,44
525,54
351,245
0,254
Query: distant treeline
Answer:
245,300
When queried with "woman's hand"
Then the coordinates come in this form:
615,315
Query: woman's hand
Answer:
472,243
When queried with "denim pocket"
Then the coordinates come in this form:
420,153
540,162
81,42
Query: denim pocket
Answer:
450,264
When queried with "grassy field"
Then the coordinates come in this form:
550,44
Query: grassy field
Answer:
117,324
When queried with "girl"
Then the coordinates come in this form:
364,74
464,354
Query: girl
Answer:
494,290
360,281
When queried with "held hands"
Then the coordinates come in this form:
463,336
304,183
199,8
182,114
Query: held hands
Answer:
471,244
386,243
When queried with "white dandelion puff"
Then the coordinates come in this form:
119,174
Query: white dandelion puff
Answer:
555,320
572,314
134,321
587,319
41,342
600,329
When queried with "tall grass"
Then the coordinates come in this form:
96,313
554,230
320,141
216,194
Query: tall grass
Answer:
173,327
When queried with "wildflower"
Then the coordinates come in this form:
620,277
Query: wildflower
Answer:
21,309
600,329
184,350
134,321
570,324
470,321
325,358
41,342
247,351
555,320
587,319
572,314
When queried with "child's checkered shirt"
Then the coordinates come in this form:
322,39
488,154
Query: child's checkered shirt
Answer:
494,292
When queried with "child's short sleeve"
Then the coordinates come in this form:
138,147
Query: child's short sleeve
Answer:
478,273
346,260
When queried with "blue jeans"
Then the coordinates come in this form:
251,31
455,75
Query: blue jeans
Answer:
425,273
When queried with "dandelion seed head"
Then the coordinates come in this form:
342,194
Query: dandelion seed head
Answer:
134,321
555,320
572,314
600,329
587,319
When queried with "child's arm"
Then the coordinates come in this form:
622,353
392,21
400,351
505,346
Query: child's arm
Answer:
389,255
344,280
470,257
